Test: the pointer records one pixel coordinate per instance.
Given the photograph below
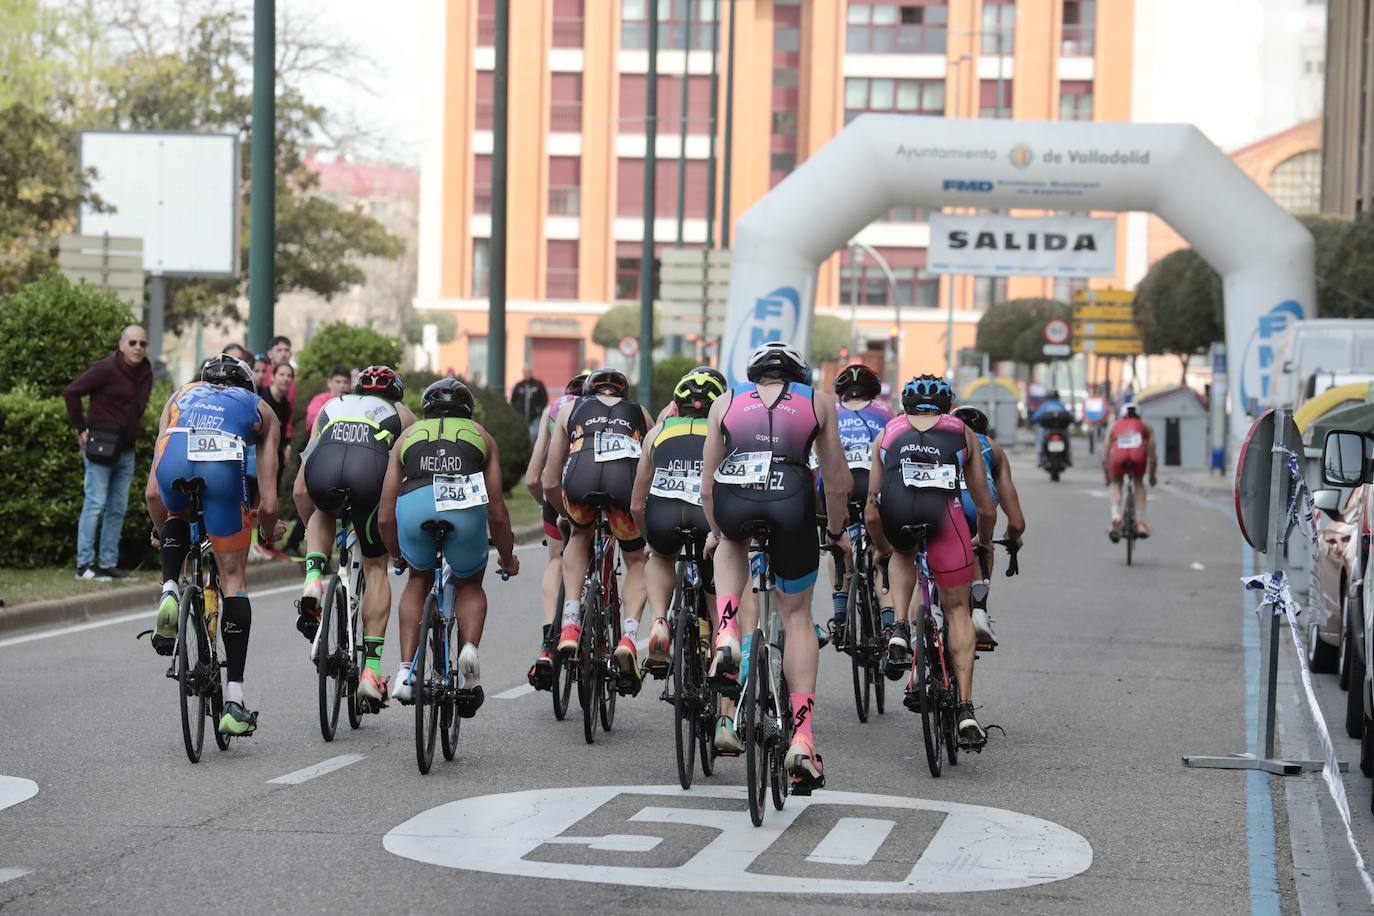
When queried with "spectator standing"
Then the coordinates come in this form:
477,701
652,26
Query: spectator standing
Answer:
107,431
279,353
238,351
340,381
530,397
260,367
277,397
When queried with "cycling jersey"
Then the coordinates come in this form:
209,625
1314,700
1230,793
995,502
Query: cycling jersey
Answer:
209,429
857,429
558,405
990,465
602,459
549,511
922,473
674,500
443,465
1127,451
764,481
348,459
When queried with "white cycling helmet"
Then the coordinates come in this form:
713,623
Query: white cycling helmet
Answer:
779,358
1130,409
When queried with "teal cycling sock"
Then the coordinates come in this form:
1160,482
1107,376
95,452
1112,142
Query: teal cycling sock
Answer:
744,657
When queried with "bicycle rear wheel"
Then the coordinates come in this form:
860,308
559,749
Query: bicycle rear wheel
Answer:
590,666
782,712
710,699
563,674
932,730
1128,521
685,691
330,656
858,638
610,628
192,659
449,720
356,659
754,711
427,687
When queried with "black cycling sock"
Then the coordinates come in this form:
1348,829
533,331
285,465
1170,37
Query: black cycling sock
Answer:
176,544
236,619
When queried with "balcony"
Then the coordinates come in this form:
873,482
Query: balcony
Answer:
896,39
565,201
561,283
1078,41
565,117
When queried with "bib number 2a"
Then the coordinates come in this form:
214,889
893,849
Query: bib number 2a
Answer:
922,476
459,491
609,446
745,468
211,447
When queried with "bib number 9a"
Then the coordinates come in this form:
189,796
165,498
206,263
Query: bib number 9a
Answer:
459,491
922,476
213,447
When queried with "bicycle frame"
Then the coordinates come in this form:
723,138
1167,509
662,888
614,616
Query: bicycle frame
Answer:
770,622
444,594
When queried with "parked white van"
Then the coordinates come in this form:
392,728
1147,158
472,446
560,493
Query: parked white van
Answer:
1304,347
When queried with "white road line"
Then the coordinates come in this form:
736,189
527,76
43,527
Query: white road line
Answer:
852,841
611,842
319,769
111,621
514,693
1096,494
9,874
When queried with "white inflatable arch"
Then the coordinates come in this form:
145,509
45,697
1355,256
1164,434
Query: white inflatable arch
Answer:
1264,255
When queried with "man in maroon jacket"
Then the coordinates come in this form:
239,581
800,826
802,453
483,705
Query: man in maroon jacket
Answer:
119,386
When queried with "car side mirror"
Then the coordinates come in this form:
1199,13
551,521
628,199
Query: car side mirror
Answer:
1328,501
1345,458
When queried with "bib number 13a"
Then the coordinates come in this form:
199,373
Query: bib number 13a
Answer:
459,491
745,468
610,446
211,447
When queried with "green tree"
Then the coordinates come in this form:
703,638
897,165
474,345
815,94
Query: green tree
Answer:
667,372
622,321
828,336
1349,271
52,330
1327,233
343,344
1178,306
1015,330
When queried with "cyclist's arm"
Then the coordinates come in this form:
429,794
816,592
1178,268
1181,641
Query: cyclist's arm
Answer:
712,453
498,515
407,416
839,482
1007,497
268,434
553,462
873,522
644,478
1150,448
386,509
538,453
1107,457
976,479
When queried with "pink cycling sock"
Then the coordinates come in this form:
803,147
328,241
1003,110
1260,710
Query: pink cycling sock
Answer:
727,614
803,711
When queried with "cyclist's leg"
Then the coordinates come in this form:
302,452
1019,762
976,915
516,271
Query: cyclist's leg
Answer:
577,554
952,565
227,522
1139,488
553,573
794,553
364,469
466,552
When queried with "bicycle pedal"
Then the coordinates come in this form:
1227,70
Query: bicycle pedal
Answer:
468,702
658,670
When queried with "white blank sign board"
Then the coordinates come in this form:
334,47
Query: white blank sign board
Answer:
176,191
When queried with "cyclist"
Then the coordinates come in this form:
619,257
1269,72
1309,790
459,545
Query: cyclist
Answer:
541,672
1130,450
917,470
1003,494
345,462
446,468
225,402
595,444
755,474
860,418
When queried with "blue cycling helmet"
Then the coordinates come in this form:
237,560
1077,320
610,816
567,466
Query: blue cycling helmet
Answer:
927,394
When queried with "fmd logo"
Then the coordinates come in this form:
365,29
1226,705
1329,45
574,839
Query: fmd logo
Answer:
955,184
775,316
1259,352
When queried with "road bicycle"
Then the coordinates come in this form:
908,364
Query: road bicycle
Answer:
1129,534
934,691
599,679
694,699
338,648
863,639
563,672
765,705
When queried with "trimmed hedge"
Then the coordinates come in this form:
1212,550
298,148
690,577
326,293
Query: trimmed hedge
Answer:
52,330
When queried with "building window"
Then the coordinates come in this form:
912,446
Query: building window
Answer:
562,270
911,27
565,106
481,183
1076,100
675,22
634,94
630,188
567,23
627,272
999,20
1295,183
905,213
905,96
927,292
485,104
988,104
565,180
988,291
786,101
486,23
481,267
1065,288
1080,28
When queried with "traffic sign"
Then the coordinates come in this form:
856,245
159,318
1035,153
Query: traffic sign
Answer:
1062,349
694,285
1104,313
108,262
628,346
1109,346
1099,329
1056,331
1104,296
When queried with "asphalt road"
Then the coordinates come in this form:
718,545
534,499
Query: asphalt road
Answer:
1105,678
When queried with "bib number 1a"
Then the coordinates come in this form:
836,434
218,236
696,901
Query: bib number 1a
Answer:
459,491
608,446
745,468
922,476
212,447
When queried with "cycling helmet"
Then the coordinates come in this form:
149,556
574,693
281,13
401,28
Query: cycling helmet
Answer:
229,371
1052,395
577,384
973,418
858,381
1130,409
697,390
778,358
927,394
606,378
380,381
447,397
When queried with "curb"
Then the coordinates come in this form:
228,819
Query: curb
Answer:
93,605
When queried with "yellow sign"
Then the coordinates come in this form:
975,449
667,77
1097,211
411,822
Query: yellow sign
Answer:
1103,313
1110,346
1105,329
1104,296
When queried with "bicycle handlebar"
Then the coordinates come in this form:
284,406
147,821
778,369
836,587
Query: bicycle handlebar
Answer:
1013,567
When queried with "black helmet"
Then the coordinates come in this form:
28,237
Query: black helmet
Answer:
778,358
227,370
973,418
447,397
606,377
697,391
927,394
380,381
858,381
577,385
1052,395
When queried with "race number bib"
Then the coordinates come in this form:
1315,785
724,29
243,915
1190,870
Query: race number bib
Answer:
609,446
213,447
745,468
1130,440
924,476
674,483
459,491
813,461
858,456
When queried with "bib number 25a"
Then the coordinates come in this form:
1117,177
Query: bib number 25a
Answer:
459,491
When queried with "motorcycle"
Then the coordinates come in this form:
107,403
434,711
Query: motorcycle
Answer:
1055,454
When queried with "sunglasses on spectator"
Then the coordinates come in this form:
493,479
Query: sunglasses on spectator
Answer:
137,343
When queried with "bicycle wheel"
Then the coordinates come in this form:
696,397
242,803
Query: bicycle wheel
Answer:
932,730
950,709
563,674
449,720
590,666
355,669
710,699
782,713
427,688
610,630
331,652
685,691
754,710
1128,521
858,655
875,629
192,659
